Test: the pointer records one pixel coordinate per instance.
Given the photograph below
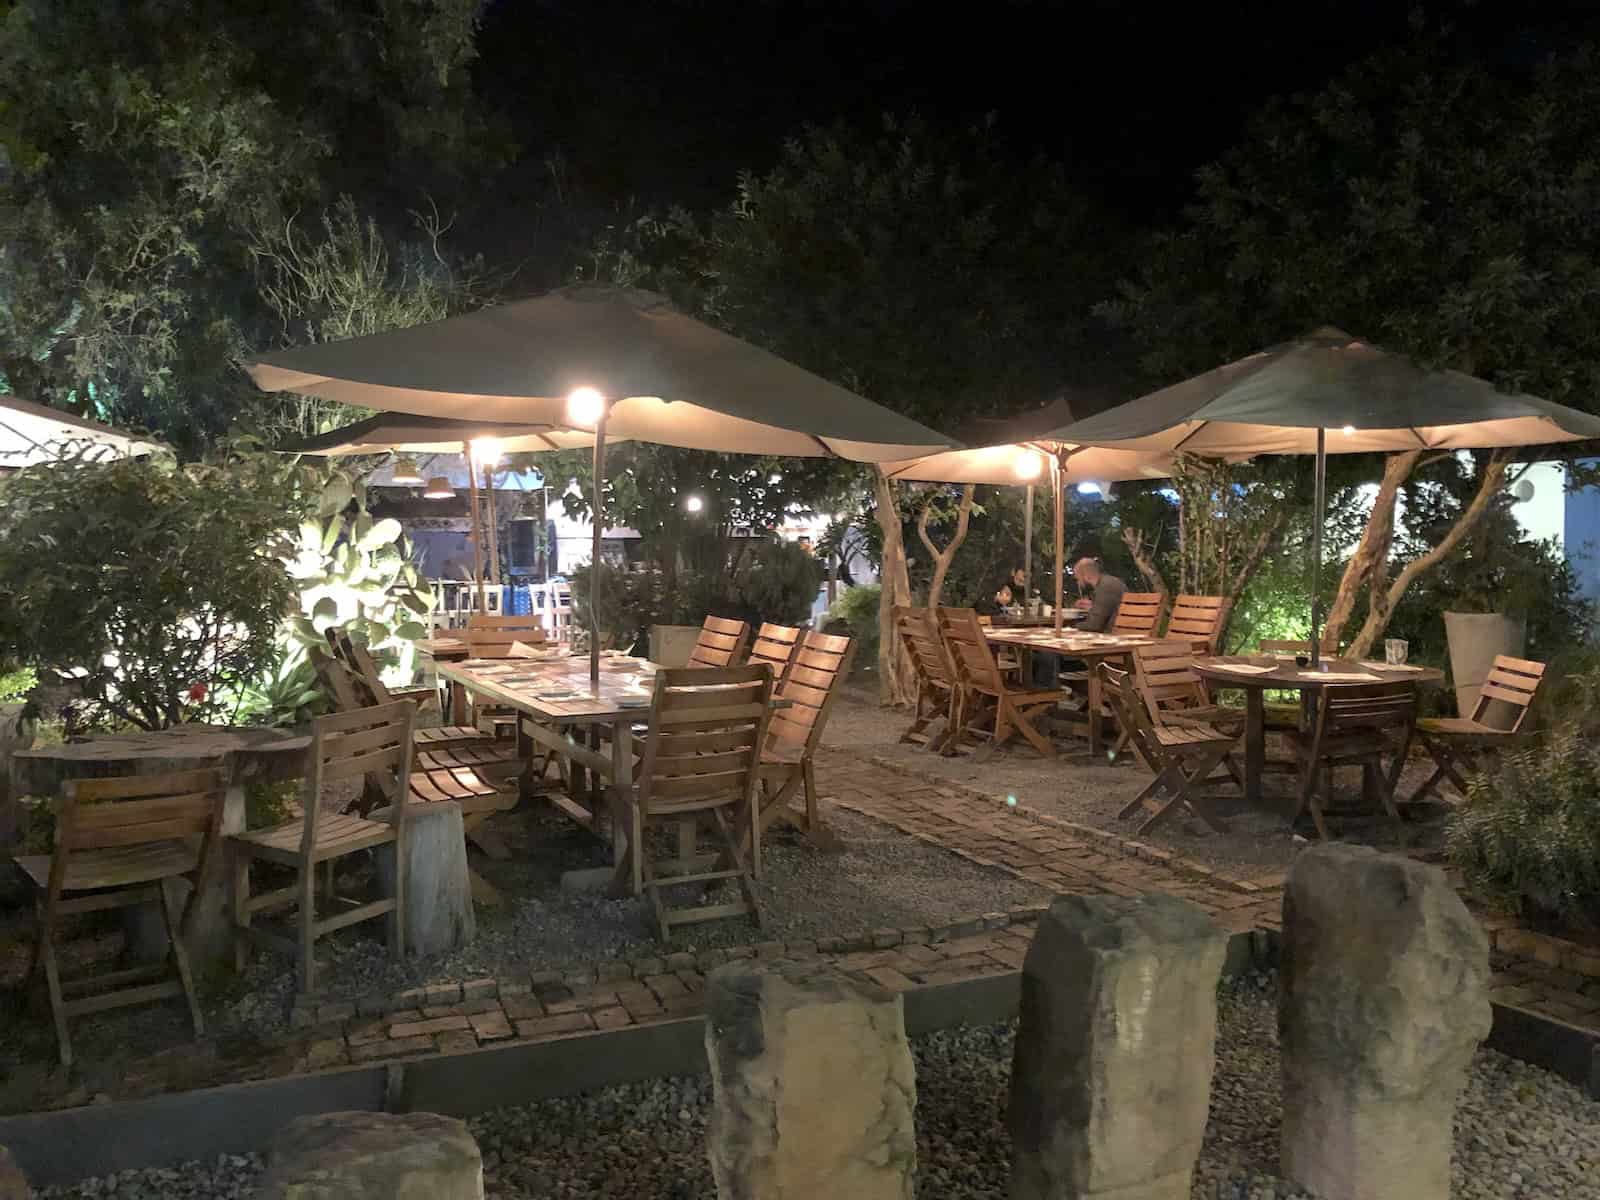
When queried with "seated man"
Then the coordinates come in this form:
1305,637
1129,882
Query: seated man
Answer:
1107,591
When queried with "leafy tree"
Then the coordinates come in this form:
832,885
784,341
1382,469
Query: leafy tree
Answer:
922,269
146,147
158,589
1429,206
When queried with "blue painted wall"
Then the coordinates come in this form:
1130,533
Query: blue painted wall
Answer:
1581,537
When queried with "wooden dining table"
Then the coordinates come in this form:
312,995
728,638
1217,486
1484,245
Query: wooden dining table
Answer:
1258,674
1090,648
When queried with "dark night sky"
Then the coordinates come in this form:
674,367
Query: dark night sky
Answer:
665,101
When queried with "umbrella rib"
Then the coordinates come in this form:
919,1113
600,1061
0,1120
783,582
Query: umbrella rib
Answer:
1195,432
1421,441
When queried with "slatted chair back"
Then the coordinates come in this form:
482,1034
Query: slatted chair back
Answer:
1197,619
135,811
1385,708
970,652
720,644
919,634
707,726
775,646
1507,694
1138,615
363,673
489,636
1166,678
820,666
373,744
1122,696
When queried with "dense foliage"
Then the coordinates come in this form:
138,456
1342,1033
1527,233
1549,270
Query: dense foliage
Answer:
157,589
1528,832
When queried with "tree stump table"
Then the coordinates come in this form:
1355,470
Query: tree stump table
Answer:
244,756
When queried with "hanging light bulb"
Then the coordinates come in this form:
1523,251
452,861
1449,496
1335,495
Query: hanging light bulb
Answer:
694,504
585,406
486,451
1348,431
405,473
439,489
1028,464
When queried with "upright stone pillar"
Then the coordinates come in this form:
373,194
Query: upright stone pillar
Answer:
813,1086
1116,1042
1385,997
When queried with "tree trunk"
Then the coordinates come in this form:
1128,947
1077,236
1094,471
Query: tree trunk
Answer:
1144,559
1384,599
1371,550
941,558
893,670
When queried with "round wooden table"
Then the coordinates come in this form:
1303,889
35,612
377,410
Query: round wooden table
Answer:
242,754
1285,676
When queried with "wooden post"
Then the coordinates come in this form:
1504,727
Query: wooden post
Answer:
594,563
493,523
1027,549
1061,533
477,529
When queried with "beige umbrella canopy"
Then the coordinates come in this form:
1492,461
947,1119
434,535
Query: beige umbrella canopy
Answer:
32,433
618,361
1329,393
437,435
1023,450
666,377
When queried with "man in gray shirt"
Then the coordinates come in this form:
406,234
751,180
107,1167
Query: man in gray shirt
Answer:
1108,590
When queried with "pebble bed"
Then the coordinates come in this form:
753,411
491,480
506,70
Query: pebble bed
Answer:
1521,1133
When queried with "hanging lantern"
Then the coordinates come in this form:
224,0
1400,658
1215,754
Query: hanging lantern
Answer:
439,489
405,473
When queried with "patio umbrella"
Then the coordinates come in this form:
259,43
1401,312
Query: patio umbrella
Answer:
33,433
617,361
1020,449
1286,399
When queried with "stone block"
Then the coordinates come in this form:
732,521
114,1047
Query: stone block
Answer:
813,1085
1384,999
1116,1042
373,1156
13,1186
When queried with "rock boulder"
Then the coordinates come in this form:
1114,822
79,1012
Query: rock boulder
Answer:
373,1156
813,1085
1116,1041
1384,999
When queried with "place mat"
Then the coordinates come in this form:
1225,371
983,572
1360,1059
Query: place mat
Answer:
1384,666
1340,676
1242,668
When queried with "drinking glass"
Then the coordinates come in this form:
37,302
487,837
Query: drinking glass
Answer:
1394,651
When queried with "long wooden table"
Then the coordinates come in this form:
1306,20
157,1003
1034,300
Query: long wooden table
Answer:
1091,648
1255,675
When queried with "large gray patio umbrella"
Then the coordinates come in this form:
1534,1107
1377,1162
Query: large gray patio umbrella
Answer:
1021,449
1329,393
615,361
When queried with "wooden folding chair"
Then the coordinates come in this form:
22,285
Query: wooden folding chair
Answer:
986,704
1182,756
936,683
475,776
371,743
701,763
1198,621
117,842
775,645
363,672
1359,724
720,644
1174,694
821,665
1455,743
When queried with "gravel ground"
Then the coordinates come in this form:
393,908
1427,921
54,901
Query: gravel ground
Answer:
1521,1133
1078,788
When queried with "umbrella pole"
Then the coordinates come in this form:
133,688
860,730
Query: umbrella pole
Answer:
598,517
1061,535
1027,549
477,528
493,522
1318,504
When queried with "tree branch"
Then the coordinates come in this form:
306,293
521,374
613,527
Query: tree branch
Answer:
1373,547
942,558
1140,550
1247,571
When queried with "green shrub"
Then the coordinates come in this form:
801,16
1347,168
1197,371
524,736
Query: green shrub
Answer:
857,607
1528,836
15,685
